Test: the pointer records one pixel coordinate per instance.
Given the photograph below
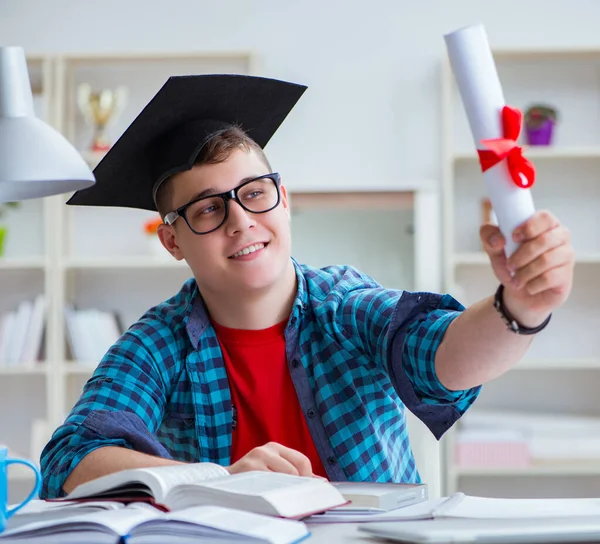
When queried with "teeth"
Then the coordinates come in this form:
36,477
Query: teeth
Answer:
248,250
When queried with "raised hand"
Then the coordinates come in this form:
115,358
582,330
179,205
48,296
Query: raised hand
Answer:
538,276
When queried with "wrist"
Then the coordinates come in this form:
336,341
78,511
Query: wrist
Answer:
513,321
525,316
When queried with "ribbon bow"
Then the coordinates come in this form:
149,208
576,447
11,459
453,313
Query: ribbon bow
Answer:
521,170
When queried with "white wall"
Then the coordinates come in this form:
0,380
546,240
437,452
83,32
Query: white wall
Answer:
371,112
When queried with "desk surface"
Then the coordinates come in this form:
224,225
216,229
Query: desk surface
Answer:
333,533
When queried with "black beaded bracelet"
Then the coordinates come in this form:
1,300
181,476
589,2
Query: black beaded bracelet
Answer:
511,322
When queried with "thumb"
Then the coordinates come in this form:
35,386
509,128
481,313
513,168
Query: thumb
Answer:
494,244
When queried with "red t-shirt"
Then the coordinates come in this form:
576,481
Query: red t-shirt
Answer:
263,393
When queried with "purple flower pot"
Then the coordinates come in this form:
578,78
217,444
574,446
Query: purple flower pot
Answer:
541,135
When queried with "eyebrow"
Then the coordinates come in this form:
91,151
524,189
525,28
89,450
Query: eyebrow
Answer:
212,191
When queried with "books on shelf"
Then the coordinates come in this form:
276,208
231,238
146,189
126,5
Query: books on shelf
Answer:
22,332
490,439
90,333
139,523
496,448
182,486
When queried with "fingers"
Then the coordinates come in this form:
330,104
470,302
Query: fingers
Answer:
492,240
544,262
536,225
555,279
275,458
494,243
545,257
537,247
276,463
540,271
298,460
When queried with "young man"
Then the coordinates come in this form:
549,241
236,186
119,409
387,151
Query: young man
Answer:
259,362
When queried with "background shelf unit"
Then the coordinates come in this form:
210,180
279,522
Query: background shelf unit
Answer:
560,374
100,258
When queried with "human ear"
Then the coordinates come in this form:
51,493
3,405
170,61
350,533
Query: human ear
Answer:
168,238
284,199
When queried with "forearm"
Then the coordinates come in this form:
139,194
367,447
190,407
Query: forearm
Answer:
111,459
478,346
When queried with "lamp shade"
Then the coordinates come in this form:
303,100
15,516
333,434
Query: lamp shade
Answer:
35,159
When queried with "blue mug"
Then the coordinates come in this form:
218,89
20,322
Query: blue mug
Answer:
5,513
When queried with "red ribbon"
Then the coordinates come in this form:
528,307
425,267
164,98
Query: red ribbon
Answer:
521,170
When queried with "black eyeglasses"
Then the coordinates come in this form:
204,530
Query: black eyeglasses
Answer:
206,214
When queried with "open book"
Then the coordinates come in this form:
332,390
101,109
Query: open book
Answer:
182,486
140,523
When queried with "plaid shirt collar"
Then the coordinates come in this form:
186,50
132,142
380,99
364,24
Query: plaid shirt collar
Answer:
197,319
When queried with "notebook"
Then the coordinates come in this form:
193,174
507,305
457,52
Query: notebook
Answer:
492,531
464,506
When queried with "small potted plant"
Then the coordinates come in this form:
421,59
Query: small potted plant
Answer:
539,124
4,207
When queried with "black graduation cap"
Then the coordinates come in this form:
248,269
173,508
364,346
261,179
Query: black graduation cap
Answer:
167,136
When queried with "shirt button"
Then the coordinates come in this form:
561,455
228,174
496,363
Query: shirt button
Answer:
293,320
295,363
331,460
311,413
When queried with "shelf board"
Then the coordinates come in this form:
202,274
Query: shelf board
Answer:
559,364
587,257
22,263
471,257
546,54
572,469
74,368
543,152
22,369
124,263
481,258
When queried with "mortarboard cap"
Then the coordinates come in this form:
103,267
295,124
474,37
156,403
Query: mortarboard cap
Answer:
169,133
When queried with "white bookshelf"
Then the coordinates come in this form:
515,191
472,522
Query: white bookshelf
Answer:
554,377
99,257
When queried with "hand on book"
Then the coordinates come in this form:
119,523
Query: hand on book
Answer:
274,457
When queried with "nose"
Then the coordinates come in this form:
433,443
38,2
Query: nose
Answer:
239,219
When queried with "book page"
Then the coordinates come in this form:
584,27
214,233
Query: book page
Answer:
176,475
120,522
484,507
39,510
160,480
240,522
258,483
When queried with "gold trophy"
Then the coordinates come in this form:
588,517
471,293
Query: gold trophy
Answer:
99,108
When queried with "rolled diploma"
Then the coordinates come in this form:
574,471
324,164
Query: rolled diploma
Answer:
481,92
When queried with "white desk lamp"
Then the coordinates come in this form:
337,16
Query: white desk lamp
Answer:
35,159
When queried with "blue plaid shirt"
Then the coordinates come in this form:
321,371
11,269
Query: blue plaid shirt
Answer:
358,355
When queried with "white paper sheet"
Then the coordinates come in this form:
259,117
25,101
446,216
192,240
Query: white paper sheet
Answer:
478,83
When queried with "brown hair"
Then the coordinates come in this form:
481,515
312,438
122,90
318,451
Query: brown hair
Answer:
217,149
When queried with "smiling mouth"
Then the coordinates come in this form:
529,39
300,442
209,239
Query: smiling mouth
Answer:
248,250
